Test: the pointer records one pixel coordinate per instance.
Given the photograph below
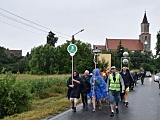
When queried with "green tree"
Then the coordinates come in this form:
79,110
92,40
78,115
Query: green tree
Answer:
43,59
158,44
51,39
103,64
48,59
83,57
118,55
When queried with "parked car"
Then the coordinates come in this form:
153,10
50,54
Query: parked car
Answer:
157,78
148,74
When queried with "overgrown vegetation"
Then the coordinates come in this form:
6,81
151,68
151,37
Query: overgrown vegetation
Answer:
18,95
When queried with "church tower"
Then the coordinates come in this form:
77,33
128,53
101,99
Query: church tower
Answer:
145,36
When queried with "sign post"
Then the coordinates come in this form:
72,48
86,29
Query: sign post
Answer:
95,52
72,49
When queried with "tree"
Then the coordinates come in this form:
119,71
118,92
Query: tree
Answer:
119,54
120,49
48,59
158,44
83,57
103,64
51,39
43,59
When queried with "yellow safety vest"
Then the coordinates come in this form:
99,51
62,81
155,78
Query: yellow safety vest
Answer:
115,85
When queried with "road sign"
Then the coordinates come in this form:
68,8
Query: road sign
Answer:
72,49
96,50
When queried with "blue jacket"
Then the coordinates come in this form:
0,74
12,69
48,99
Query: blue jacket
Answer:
99,90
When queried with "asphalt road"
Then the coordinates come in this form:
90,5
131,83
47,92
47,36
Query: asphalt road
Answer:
144,104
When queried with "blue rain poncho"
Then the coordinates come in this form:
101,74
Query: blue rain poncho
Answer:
99,90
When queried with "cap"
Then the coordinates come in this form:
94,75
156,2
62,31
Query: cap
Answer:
113,67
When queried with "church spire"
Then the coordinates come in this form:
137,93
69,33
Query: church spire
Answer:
145,18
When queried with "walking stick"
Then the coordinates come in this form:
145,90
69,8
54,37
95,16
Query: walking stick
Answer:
94,78
93,92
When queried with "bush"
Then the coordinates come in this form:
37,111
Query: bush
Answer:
42,87
14,96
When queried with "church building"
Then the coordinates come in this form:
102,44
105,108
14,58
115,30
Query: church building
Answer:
143,43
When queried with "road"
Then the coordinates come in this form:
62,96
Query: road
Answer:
144,104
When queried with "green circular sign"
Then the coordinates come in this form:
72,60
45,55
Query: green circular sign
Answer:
72,49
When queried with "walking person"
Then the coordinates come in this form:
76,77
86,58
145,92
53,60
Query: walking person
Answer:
74,87
142,75
98,89
105,79
86,87
128,82
115,85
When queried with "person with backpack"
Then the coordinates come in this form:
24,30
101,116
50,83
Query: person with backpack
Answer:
86,87
115,86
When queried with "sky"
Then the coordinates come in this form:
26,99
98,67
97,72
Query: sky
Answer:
100,19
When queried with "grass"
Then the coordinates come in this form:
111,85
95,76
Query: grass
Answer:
28,76
41,108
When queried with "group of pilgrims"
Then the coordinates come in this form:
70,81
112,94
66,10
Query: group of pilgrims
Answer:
111,88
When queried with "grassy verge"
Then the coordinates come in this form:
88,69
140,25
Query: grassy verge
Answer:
43,108
29,77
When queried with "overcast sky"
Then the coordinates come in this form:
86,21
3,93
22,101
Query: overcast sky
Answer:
100,19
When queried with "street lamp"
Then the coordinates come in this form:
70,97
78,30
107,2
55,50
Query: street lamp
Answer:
125,59
73,41
76,34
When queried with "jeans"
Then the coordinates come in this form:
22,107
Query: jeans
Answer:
114,96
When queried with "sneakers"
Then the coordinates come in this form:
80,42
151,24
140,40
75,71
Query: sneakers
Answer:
112,114
126,104
117,110
93,110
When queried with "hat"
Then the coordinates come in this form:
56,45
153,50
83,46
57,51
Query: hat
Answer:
113,67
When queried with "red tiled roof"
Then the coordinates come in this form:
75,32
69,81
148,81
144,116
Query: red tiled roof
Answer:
15,52
131,44
100,47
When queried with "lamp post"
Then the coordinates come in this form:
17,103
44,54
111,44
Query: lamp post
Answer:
73,42
125,59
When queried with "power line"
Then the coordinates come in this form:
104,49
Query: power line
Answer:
18,27
33,22
24,24
10,18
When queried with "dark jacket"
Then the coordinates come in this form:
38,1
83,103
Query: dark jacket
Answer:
127,78
86,86
75,91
